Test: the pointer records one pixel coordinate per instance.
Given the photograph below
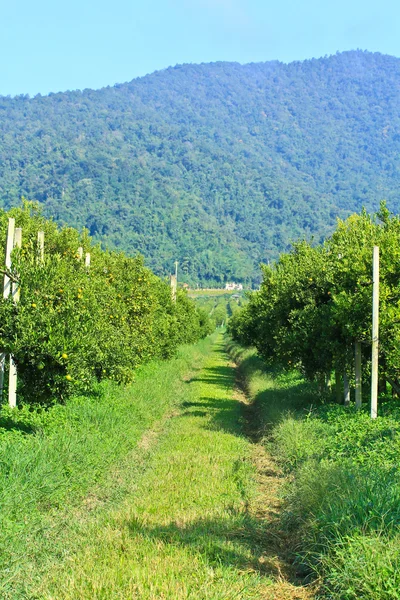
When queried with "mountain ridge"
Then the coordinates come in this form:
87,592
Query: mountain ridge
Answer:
201,64
218,165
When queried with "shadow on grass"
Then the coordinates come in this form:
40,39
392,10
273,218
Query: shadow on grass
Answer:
275,394
236,541
10,424
272,405
221,415
29,418
221,375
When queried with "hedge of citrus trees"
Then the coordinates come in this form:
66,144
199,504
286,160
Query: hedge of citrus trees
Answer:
74,325
315,302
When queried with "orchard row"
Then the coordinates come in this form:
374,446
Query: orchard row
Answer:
315,303
75,325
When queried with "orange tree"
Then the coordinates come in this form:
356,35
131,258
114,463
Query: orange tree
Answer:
316,301
75,325
288,320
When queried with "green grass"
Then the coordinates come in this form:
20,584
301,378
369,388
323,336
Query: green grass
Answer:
342,506
274,394
183,531
137,493
61,465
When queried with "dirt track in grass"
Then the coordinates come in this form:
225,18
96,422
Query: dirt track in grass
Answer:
199,520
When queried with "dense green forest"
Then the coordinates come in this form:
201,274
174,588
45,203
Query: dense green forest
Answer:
219,166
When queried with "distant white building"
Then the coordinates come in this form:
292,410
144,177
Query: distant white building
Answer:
234,286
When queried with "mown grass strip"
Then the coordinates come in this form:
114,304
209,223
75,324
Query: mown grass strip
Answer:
184,532
59,467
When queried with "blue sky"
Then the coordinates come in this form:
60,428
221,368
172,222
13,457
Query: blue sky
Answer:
49,46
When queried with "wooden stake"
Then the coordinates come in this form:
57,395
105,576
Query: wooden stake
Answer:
2,365
173,288
12,374
6,289
17,244
80,253
327,382
9,249
12,384
40,239
87,260
375,334
18,237
346,389
358,374
337,386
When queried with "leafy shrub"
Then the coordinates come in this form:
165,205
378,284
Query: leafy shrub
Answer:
315,302
74,325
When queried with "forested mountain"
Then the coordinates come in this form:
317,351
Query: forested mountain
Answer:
219,166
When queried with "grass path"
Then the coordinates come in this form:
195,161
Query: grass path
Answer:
193,525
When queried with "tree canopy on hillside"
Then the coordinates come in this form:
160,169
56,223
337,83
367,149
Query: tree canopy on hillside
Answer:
219,166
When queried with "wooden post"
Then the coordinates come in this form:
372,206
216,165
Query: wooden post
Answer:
358,374
173,288
9,249
12,374
337,386
87,260
327,382
176,270
40,239
375,334
79,253
346,389
321,383
17,244
2,365
6,289
12,384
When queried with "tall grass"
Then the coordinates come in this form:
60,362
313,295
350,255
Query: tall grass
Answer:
342,502
63,461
